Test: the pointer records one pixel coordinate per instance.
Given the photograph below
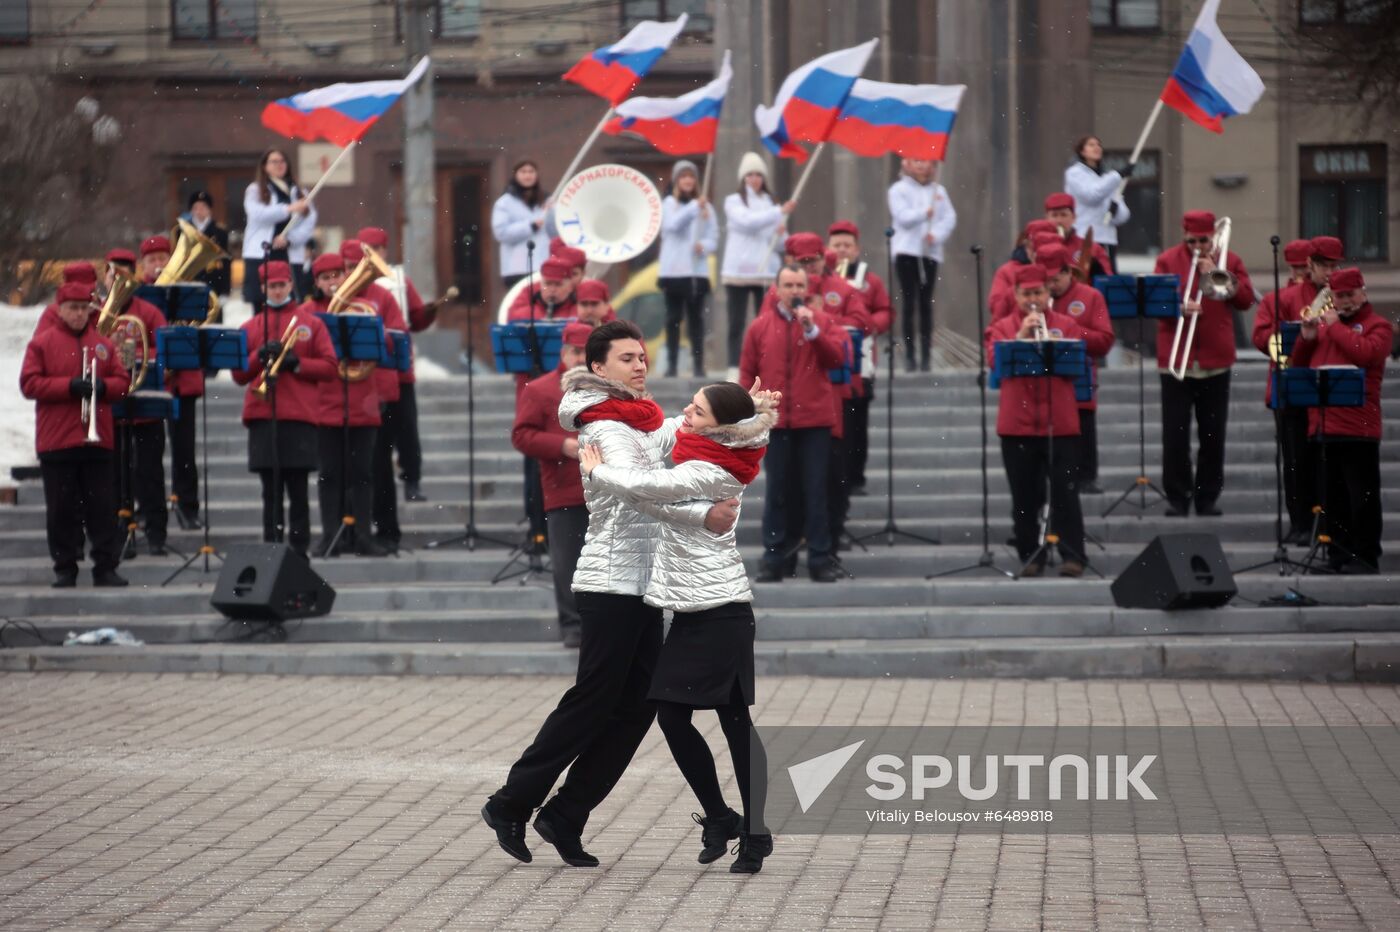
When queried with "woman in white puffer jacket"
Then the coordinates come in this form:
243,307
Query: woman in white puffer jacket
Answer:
1097,203
707,660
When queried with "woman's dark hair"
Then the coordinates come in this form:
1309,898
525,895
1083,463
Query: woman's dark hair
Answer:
1079,149
534,195
262,180
602,338
729,403
744,190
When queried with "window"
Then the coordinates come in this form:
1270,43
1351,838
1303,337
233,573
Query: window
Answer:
635,11
14,21
1339,12
458,19
1142,234
1342,193
1125,14
231,20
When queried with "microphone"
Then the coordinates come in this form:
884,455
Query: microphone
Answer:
794,303
1275,240
267,246
530,245
977,249
889,232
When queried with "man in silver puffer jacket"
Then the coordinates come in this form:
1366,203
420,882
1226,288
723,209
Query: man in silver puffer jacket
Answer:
602,718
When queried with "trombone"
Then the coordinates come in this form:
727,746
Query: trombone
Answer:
1218,284
290,338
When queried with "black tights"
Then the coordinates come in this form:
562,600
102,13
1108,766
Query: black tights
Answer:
697,764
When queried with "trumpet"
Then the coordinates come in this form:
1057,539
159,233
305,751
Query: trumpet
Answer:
89,408
1320,305
1218,284
290,338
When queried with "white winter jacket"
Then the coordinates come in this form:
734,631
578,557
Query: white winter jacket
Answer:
693,569
681,228
1092,193
909,202
621,542
510,225
748,233
264,218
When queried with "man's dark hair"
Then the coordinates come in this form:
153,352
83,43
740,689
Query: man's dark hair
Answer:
789,267
729,403
602,337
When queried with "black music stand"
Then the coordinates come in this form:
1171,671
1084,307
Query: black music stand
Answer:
356,338
891,529
209,349
1044,359
986,561
1143,297
147,400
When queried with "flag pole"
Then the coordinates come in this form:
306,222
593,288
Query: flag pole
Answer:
315,189
588,144
1137,151
705,181
797,191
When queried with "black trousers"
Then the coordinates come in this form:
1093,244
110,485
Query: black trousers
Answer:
1300,489
298,509
1027,461
386,501
797,459
145,478
736,301
1352,497
686,306
838,490
351,477
1088,463
401,424
601,719
79,496
567,528
857,429
916,303
1209,399
184,467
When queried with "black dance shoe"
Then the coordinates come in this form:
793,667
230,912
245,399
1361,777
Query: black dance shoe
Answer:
752,850
564,839
509,835
716,834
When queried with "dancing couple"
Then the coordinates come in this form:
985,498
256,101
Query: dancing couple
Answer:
657,539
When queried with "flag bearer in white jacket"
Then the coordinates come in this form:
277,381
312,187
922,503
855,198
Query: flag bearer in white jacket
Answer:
1097,203
923,218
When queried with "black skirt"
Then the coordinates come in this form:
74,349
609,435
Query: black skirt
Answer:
706,653
298,445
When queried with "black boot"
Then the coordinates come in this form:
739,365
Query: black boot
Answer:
752,850
716,833
509,834
108,579
413,491
564,839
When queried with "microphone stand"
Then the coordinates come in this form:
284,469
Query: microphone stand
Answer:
986,560
891,530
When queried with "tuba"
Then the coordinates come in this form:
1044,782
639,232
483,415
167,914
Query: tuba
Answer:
133,331
123,287
194,252
370,267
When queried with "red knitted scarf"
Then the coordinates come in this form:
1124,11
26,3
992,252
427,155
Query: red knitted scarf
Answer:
739,462
638,413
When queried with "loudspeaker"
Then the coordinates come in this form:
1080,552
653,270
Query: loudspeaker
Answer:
270,582
1176,571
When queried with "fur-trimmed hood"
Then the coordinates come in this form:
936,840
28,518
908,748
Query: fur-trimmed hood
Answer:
583,389
750,432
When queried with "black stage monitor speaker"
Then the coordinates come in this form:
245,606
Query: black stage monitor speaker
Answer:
1176,571
270,582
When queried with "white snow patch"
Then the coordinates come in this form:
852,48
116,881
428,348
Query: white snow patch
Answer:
16,411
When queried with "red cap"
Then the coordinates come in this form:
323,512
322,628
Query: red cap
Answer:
154,244
1040,240
80,272
1059,201
1040,226
844,226
1346,279
832,259
576,258
374,237
1052,257
556,244
555,269
576,334
1198,222
1297,252
1328,247
802,245
590,289
1033,274
351,251
122,255
74,291
275,271
327,262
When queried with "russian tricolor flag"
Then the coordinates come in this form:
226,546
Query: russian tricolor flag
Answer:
810,100
685,125
1211,80
613,70
912,120
340,113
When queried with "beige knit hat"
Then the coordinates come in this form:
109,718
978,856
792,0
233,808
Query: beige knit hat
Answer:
752,162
